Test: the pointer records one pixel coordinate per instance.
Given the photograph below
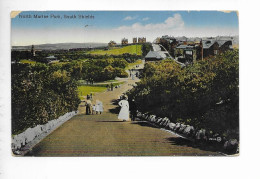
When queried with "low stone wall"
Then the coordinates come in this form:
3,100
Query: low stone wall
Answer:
22,142
198,136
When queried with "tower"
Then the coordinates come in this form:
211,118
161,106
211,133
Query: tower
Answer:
32,51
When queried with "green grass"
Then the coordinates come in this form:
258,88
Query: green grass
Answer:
131,49
85,90
131,65
27,61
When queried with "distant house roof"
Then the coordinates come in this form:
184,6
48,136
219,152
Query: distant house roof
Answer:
183,38
194,39
208,43
222,42
224,38
168,38
156,55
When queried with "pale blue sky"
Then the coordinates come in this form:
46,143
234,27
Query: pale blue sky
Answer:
114,25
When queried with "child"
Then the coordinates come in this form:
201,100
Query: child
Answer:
93,109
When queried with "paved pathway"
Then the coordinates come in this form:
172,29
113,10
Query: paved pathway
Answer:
105,135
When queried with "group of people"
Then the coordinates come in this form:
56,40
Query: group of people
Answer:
127,109
110,87
93,108
133,74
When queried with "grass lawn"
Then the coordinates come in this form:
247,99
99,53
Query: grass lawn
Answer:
85,90
131,49
131,65
27,61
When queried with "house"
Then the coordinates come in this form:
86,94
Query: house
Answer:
157,40
156,55
224,45
169,43
111,43
188,53
181,40
124,41
210,47
141,40
134,40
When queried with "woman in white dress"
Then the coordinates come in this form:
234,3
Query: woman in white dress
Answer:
124,112
99,107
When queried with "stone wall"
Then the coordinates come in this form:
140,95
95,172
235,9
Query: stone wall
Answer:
24,141
198,136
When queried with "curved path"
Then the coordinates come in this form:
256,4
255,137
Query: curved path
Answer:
105,135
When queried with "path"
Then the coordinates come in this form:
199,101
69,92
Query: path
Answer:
105,135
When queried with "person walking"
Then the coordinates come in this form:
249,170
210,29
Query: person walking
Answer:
99,107
124,112
93,109
133,109
88,106
111,86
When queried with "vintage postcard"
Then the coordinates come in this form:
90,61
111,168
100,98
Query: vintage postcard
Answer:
125,83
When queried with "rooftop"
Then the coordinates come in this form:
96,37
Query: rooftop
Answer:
157,54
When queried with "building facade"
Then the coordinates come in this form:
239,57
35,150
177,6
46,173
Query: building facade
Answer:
134,40
141,40
124,41
111,43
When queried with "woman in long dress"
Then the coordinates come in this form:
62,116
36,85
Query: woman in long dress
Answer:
124,112
99,107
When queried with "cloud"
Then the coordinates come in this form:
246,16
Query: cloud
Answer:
129,18
146,18
173,22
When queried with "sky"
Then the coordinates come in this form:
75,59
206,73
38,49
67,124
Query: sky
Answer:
103,26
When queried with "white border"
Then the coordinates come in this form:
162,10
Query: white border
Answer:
142,167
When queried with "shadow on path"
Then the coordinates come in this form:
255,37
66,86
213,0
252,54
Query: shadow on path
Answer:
116,109
109,121
185,142
143,123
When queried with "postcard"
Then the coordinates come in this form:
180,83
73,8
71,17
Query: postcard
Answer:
125,83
